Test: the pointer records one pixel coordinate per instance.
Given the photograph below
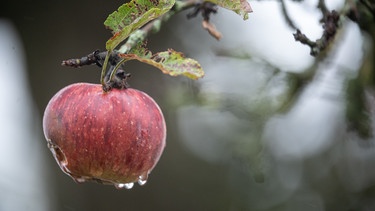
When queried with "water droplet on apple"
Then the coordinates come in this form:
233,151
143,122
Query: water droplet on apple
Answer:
79,179
142,182
124,185
142,179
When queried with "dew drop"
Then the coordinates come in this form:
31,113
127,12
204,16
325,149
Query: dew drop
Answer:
141,182
124,185
142,179
79,179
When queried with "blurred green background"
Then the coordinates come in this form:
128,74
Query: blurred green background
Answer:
268,128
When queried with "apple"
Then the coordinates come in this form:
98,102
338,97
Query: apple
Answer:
113,137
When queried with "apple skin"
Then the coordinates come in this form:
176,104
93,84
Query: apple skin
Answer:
113,137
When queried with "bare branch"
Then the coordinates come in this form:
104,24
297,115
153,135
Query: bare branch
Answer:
330,26
287,18
95,57
323,7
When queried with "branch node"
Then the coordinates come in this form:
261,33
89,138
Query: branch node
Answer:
330,26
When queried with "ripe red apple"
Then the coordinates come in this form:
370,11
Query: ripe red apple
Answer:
113,137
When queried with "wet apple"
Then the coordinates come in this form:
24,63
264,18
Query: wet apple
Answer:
113,137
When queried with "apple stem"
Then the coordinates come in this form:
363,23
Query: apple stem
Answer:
104,68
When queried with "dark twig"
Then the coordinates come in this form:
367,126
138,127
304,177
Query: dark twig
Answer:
323,7
92,58
304,39
95,57
287,18
330,25
205,8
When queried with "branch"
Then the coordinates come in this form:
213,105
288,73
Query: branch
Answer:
331,22
137,36
330,25
298,36
287,18
323,7
95,57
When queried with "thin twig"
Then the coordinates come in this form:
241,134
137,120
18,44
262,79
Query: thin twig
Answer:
323,7
95,57
330,26
298,36
287,18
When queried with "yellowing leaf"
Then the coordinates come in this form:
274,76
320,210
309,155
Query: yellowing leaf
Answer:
241,7
169,62
133,15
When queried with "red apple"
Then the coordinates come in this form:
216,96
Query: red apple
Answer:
113,137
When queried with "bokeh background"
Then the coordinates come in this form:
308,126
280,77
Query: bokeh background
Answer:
268,128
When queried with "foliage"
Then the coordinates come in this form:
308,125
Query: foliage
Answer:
133,15
169,62
241,7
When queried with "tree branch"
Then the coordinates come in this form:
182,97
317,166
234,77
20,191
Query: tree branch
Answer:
323,7
95,57
287,18
137,36
330,25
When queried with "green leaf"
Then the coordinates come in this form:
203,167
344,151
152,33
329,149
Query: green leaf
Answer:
241,7
133,15
169,62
